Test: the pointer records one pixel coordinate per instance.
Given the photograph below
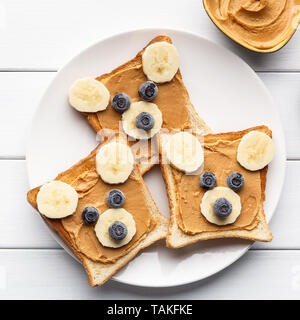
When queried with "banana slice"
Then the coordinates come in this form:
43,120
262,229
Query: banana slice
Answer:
211,196
184,151
114,162
129,118
104,222
160,62
255,151
56,200
89,95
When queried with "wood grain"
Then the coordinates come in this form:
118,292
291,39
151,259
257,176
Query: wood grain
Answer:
19,96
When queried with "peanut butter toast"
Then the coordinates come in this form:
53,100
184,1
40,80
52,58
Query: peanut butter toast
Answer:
102,210
126,92
225,199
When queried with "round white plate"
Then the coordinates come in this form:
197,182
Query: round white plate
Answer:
226,93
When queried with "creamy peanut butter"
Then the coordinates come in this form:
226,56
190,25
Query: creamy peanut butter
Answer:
92,192
261,24
220,159
171,98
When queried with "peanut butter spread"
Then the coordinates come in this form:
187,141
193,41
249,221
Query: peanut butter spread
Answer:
92,191
171,99
262,24
220,159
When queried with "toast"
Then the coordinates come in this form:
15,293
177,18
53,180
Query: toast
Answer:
99,120
176,237
81,175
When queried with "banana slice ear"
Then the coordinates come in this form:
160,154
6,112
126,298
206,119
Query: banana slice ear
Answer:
88,95
57,199
255,151
160,62
183,151
114,162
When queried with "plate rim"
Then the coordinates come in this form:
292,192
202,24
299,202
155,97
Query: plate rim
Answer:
69,60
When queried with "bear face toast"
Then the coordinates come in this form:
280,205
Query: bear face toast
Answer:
102,210
150,83
225,198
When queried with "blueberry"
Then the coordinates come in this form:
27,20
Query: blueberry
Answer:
144,121
90,215
222,208
121,102
208,180
148,90
115,198
235,181
117,230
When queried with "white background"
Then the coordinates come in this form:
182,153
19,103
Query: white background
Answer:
36,38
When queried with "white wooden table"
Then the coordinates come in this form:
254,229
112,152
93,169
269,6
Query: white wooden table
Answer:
36,38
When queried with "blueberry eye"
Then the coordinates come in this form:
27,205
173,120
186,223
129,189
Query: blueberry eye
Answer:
148,90
208,180
90,215
121,102
235,181
115,198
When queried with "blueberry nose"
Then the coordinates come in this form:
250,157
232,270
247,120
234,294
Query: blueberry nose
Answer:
144,121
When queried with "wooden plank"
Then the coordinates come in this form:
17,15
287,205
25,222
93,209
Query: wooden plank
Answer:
284,88
21,91
44,34
19,96
53,274
21,227
286,220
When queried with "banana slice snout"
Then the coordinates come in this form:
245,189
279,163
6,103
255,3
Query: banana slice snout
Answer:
213,196
114,162
255,151
160,62
136,110
56,200
88,95
105,222
184,151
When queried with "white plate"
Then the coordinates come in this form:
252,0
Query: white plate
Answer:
226,93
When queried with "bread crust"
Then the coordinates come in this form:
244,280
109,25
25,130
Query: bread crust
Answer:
176,238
